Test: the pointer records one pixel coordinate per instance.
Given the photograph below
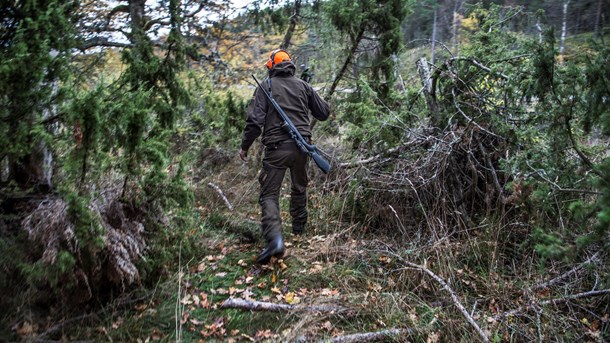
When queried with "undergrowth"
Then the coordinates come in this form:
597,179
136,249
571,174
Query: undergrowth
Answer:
349,265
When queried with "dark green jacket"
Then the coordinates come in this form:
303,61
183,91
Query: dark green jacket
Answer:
295,96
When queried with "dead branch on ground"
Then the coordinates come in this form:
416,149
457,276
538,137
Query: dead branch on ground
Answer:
555,301
221,194
51,229
575,270
454,297
271,307
383,335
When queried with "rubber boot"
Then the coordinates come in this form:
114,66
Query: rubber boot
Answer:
298,228
275,247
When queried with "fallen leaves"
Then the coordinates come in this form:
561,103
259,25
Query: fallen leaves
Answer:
316,268
262,334
216,329
117,324
385,259
291,298
234,290
239,278
25,329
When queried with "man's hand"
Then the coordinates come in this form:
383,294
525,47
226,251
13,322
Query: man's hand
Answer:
243,154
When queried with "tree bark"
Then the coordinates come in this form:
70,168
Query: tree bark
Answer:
347,62
136,12
455,27
379,336
272,307
427,85
564,26
339,76
434,25
598,15
293,24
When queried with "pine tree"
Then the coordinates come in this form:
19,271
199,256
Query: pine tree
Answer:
154,98
382,20
35,44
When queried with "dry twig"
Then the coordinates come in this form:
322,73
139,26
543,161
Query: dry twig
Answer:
377,157
222,195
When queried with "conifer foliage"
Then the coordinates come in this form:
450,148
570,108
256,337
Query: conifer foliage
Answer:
486,163
111,143
382,21
35,42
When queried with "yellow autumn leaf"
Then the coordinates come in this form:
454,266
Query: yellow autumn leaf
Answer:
288,297
291,298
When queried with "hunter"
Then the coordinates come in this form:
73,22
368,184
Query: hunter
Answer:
297,98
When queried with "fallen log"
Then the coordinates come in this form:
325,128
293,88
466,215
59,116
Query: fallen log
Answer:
272,307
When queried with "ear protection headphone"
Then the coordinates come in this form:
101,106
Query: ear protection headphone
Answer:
271,62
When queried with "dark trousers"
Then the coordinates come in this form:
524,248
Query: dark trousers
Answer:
276,160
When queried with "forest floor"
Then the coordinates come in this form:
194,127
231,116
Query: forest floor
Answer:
330,283
339,282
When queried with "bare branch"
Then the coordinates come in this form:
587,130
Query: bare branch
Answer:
564,276
221,194
554,301
115,10
487,69
102,42
195,12
271,307
377,157
454,297
540,173
158,21
383,336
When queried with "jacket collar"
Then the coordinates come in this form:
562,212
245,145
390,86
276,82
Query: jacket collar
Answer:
286,68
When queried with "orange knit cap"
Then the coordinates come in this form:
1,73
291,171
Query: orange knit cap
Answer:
277,56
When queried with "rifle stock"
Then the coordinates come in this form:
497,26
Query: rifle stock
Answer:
307,148
320,161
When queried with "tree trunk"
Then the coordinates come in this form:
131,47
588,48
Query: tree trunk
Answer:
342,71
455,27
434,25
564,26
347,62
539,28
598,15
427,84
4,169
293,24
36,168
136,12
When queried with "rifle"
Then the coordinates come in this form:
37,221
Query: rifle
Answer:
296,136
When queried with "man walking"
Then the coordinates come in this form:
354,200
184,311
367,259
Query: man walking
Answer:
297,98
